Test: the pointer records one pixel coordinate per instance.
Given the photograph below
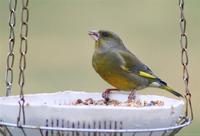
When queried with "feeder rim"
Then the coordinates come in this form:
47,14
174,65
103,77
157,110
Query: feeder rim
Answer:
187,122
177,102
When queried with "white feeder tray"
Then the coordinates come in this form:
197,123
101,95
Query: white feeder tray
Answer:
54,110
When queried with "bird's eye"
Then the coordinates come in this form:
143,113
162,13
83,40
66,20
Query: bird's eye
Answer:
105,34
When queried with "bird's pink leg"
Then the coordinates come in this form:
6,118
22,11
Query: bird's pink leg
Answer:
132,96
107,92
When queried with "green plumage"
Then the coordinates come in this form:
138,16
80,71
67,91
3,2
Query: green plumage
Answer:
119,67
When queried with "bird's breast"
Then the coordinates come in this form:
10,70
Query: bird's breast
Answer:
108,68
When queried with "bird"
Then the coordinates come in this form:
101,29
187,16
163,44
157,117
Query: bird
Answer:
120,67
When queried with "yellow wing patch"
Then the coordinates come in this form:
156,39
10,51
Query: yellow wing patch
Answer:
144,74
124,68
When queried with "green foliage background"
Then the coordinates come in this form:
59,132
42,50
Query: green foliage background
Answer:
60,51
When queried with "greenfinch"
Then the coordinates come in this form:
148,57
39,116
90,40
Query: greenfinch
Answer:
121,68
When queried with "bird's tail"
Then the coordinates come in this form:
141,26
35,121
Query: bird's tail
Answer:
161,84
169,89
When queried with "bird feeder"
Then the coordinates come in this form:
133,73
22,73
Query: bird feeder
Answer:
57,114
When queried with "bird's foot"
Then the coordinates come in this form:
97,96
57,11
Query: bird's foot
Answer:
106,93
132,96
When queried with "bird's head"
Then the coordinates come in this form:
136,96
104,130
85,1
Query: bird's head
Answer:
105,38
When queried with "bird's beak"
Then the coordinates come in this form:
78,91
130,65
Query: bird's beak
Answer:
94,34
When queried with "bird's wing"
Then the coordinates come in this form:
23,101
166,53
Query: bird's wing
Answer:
130,63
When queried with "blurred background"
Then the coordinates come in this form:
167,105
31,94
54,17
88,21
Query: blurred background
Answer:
60,50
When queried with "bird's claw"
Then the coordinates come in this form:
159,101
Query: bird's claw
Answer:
131,96
105,95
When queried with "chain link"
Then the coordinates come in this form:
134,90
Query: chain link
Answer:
184,59
22,61
11,43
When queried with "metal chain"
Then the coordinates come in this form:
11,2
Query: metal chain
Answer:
23,52
184,59
11,43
